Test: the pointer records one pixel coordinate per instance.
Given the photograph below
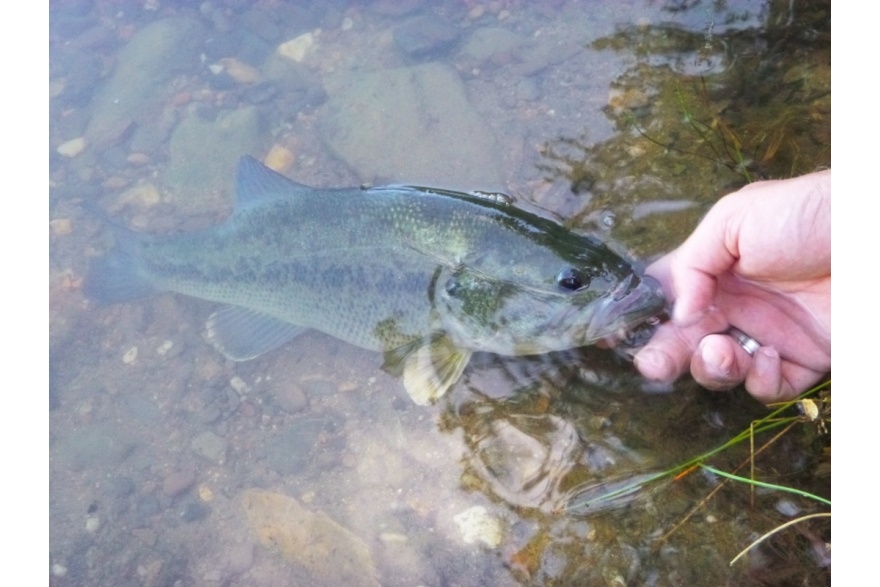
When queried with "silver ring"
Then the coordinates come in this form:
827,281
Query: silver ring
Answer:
749,344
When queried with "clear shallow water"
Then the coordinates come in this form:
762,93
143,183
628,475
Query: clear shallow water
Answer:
170,465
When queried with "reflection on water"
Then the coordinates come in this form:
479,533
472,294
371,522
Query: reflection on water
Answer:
170,465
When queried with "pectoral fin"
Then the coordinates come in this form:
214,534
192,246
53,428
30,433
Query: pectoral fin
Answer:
242,334
430,370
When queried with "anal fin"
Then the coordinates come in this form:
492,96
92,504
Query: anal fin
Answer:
242,334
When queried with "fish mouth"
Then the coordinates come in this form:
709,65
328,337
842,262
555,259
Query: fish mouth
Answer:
630,313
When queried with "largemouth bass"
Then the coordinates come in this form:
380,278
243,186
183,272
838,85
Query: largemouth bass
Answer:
427,276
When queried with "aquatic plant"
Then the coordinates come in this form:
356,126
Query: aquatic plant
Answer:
813,408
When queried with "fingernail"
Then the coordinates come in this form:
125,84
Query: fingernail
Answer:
717,364
654,365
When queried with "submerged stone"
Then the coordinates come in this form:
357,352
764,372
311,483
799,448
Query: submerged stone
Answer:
203,152
410,123
135,91
332,554
427,36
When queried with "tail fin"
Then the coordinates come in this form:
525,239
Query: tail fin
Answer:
118,276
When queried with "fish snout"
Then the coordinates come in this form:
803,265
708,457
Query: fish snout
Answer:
634,299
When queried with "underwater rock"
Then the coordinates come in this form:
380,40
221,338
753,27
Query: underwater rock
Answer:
210,447
202,154
488,43
330,552
410,123
476,524
240,72
426,37
297,48
133,94
279,159
73,147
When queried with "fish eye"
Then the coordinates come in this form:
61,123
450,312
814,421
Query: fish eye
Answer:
572,279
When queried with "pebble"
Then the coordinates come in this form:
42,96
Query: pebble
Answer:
59,570
93,523
73,147
115,182
291,398
348,386
209,446
239,385
163,348
177,482
476,12
475,524
297,48
205,493
392,538
786,507
142,196
61,226
56,88
138,159
194,511
130,355
241,73
620,100
280,159
208,368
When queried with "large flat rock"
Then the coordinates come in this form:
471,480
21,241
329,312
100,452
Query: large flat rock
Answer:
204,155
410,124
134,93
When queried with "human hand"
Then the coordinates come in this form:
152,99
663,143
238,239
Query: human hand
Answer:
759,261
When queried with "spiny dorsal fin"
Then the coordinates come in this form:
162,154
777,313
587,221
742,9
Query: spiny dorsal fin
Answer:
495,197
254,182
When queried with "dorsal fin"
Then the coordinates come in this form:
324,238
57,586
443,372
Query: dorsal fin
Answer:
496,197
254,182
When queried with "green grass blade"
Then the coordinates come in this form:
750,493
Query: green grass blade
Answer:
767,485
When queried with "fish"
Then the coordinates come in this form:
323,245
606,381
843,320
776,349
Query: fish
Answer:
427,276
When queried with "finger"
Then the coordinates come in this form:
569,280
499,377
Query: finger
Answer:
764,380
774,380
666,356
695,292
709,251
720,363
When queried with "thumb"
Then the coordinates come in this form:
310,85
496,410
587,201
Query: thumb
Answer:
708,253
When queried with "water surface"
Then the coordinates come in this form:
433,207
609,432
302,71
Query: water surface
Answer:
310,465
